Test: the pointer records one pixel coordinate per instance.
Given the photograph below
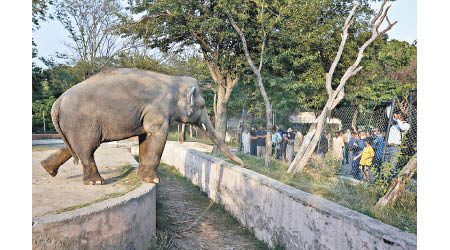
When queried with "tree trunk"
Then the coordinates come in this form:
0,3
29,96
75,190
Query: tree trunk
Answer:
257,72
221,116
355,116
398,183
183,132
306,141
308,146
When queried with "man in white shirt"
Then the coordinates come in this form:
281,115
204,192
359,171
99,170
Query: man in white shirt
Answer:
399,127
338,145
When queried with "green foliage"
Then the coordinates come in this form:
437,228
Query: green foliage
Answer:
383,176
42,111
140,60
47,86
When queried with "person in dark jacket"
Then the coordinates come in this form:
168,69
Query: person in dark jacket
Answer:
357,147
323,145
253,141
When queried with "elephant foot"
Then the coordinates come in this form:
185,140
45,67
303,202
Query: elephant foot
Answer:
96,180
52,163
53,172
151,177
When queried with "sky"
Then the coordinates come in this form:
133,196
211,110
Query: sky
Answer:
52,36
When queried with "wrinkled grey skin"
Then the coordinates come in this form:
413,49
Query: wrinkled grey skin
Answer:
120,103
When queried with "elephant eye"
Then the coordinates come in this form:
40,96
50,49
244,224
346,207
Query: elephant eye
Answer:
203,106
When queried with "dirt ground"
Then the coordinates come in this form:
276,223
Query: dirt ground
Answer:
188,219
52,194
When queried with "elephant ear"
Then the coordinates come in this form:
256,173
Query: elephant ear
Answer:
190,102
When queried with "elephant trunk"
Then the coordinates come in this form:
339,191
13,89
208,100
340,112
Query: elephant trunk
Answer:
207,126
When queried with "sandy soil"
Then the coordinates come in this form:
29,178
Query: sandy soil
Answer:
51,194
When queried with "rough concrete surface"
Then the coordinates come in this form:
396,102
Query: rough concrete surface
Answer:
126,222
274,211
66,189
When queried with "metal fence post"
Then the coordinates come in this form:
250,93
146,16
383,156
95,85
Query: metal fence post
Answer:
43,119
410,106
388,128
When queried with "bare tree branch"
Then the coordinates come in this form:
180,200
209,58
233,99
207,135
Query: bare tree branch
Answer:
335,96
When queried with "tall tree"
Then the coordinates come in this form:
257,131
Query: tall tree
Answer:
179,25
336,95
257,71
92,27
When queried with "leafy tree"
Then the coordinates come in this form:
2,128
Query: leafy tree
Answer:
141,60
92,27
179,25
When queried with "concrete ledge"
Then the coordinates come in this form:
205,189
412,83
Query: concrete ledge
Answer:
126,222
49,136
47,142
273,210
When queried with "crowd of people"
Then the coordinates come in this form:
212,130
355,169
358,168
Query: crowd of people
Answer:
285,142
360,149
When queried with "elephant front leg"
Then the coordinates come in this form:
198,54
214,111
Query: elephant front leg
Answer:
151,146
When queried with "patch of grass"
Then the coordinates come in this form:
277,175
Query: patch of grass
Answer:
175,136
108,196
127,178
322,182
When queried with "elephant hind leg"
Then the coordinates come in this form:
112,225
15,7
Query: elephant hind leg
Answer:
91,176
85,148
52,163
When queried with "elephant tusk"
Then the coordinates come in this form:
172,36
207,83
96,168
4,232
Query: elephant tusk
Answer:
204,127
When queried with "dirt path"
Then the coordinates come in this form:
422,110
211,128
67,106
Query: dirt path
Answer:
188,219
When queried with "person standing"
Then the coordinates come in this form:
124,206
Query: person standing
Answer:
378,147
351,144
253,141
298,141
246,141
338,145
345,149
365,159
323,147
261,142
276,140
283,145
357,148
290,145
396,131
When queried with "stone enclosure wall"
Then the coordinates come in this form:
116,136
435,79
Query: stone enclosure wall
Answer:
275,212
126,222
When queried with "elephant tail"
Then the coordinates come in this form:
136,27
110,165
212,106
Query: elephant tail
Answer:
55,120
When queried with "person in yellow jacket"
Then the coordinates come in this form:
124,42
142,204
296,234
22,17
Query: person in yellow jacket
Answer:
366,158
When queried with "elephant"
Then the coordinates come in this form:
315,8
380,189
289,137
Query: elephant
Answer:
120,103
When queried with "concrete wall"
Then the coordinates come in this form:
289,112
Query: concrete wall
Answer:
271,209
126,222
